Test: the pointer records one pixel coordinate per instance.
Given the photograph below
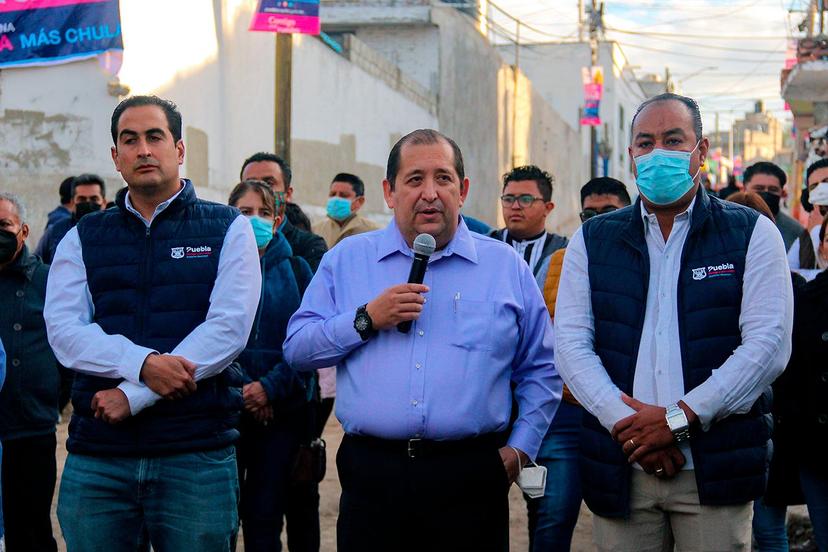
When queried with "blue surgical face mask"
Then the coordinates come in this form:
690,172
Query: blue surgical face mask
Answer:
664,175
262,229
339,208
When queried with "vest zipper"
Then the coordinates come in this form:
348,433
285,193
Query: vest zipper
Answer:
145,286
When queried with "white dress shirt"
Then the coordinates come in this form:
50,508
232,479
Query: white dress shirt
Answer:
82,345
766,320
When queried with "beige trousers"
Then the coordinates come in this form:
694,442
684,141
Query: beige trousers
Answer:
665,513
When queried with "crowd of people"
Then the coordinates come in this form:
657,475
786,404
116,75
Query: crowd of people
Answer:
662,364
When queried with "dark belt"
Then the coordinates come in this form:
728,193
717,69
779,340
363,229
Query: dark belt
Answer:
418,448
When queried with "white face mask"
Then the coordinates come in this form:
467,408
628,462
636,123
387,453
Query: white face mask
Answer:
819,195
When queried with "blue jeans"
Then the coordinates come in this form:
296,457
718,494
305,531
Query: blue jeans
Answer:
179,502
769,529
815,488
553,516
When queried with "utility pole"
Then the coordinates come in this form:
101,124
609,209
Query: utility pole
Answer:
284,72
516,72
580,20
595,22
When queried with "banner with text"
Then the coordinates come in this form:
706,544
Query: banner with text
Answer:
46,32
280,16
593,80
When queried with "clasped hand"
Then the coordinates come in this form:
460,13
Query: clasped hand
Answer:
645,438
256,402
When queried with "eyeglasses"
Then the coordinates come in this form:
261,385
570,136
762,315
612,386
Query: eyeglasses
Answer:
587,214
524,200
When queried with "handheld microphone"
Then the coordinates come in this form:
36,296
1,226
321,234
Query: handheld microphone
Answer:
424,246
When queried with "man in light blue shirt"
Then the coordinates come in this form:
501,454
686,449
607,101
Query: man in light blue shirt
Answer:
429,451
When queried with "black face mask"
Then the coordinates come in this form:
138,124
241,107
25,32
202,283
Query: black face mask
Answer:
84,208
772,200
8,246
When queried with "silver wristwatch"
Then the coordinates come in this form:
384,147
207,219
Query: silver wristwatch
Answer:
677,422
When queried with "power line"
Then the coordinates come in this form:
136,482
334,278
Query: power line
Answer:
686,35
686,55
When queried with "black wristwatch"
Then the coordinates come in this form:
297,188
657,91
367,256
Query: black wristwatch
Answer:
363,323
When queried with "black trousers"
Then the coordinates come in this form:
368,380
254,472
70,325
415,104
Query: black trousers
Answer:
438,501
28,479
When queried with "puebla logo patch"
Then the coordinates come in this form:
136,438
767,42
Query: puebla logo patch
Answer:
191,252
714,271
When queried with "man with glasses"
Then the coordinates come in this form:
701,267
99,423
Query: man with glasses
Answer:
527,202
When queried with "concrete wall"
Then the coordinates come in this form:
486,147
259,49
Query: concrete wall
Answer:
346,119
442,50
54,122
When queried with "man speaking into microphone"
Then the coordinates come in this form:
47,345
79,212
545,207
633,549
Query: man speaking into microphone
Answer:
428,454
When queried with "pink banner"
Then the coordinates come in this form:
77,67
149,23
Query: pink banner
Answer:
286,23
20,5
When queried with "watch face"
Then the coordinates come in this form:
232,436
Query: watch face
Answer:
361,323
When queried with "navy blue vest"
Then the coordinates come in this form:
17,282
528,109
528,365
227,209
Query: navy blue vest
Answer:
730,460
153,287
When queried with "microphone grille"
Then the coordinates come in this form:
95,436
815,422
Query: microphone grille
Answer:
424,244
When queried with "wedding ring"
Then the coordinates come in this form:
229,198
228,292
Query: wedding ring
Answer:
659,471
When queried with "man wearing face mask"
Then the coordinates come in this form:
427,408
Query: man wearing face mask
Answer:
666,334
345,199
88,196
814,201
29,400
768,180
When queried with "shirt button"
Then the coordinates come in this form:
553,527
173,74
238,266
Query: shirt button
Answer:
19,293
17,327
15,362
422,333
414,402
418,366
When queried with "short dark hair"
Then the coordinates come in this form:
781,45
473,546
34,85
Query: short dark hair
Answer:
287,174
543,179
65,189
768,168
356,182
689,103
815,166
297,217
605,185
86,179
169,108
422,137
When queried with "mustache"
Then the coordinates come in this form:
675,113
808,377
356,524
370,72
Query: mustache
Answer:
437,205
145,163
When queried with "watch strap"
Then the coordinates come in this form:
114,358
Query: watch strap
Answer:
678,423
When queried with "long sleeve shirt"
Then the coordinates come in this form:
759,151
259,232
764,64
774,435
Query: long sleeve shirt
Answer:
82,345
484,325
766,320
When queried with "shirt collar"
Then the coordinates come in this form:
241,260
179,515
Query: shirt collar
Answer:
651,217
161,206
462,244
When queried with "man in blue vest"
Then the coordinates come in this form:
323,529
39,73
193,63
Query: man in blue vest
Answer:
673,317
149,302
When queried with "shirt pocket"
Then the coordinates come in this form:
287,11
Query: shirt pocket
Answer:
473,321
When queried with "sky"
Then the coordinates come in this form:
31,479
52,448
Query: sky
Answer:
724,53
